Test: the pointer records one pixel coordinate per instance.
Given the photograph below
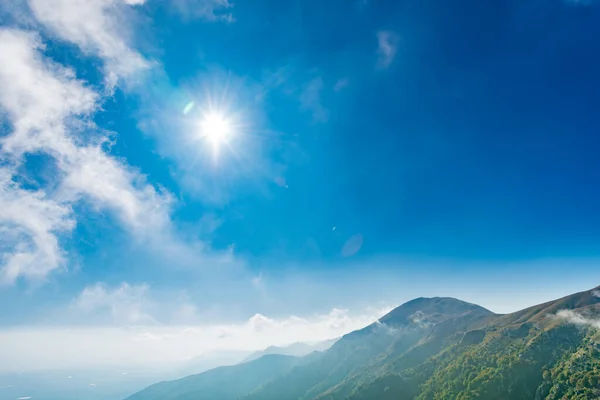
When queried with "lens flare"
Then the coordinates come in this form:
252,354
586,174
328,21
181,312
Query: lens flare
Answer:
188,107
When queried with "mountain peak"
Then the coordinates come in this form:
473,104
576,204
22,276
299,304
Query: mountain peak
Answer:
442,307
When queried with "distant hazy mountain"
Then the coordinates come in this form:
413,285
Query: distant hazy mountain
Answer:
226,383
428,348
296,349
211,360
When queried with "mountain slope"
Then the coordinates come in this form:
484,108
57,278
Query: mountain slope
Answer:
223,383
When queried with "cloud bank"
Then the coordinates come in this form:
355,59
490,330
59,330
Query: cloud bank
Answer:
28,349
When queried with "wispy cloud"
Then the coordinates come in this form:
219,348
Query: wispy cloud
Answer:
209,10
110,184
341,84
577,318
40,97
29,225
98,27
48,110
387,46
127,304
310,100
352,245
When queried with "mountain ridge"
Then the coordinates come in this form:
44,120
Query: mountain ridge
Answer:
298,349
445,348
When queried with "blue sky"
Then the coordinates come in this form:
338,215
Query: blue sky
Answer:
375,151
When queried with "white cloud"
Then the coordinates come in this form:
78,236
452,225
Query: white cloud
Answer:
209,223
48,110
39,97
29,224
38,348
127,304
596,293
108,183
44,100
97,27
578,319
310,99
387,46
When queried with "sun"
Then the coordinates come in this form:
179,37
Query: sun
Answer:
216,129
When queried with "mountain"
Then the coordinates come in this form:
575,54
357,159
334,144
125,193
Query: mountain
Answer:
298,349
417,324
223,383
433,349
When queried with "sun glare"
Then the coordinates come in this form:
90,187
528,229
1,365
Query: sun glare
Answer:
216,129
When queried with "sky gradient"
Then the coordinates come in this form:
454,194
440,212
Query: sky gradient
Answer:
373,152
